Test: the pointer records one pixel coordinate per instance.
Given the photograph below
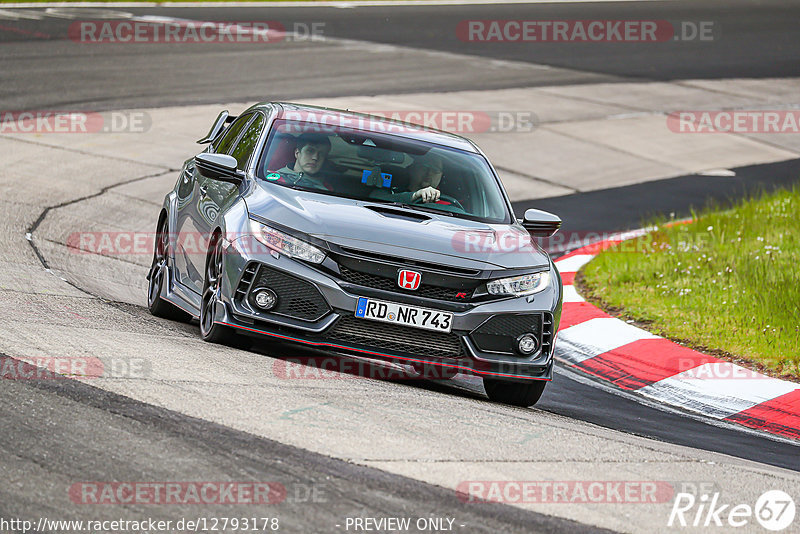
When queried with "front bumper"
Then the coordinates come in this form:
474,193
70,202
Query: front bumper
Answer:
322,314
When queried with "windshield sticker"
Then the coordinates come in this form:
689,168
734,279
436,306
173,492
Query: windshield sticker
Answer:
386,178
273,176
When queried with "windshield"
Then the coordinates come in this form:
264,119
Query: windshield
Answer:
381,167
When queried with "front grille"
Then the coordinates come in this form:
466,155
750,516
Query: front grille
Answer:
390,284
396,338
296,297
366,255
499,334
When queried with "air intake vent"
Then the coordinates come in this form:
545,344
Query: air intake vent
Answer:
297,298
246,280
499,334
399,214
395,338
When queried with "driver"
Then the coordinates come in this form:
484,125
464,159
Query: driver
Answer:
310,153
425,174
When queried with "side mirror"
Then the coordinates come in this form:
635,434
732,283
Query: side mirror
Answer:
541,223
218,167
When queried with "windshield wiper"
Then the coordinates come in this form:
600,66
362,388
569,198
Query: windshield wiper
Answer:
416,207
429,210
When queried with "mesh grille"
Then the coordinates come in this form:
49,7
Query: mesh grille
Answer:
398,338
499,333
296,298
390,284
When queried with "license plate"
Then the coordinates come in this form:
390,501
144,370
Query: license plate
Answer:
391,312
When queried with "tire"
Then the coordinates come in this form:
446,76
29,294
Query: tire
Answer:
157,277
514,393
209,330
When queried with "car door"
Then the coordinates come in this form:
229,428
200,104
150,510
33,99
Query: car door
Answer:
198,210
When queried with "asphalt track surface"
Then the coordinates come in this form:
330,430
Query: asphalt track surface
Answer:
111,437
635,206
74,431
41,68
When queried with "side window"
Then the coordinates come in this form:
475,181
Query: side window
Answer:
230,135
247,143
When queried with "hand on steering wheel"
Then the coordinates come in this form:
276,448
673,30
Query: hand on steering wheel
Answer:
426,194
431,194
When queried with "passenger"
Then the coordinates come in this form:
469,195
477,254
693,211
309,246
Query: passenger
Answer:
425,174
310,153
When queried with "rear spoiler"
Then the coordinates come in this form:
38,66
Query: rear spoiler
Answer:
223,119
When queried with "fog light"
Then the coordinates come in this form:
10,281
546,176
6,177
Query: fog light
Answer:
265,298
526,344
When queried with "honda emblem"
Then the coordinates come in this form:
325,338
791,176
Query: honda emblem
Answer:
408,279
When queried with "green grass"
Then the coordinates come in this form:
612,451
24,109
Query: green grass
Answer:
728,283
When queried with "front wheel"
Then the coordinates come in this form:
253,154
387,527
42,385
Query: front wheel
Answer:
209,330
514,393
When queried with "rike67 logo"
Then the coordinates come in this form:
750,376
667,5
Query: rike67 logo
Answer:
774,510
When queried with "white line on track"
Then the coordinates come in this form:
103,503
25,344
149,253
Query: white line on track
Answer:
573,263
571,294
598,336
717,397
608,388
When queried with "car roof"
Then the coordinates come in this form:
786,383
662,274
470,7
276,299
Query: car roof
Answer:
367,122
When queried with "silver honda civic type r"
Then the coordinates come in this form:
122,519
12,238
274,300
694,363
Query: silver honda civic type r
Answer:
362,236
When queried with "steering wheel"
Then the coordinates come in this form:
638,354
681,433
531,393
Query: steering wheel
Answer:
448,198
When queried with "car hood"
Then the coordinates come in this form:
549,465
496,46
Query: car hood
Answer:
382,228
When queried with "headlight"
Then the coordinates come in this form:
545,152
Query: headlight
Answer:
286,244
519,285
